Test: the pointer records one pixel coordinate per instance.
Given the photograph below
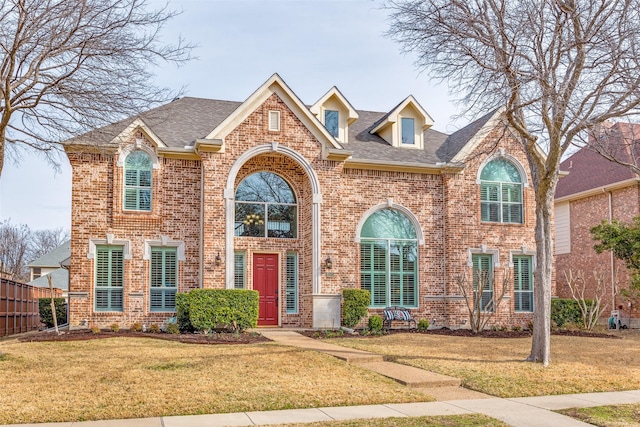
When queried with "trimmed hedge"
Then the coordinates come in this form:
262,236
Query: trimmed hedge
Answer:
46,316
566,310
210,309
355,307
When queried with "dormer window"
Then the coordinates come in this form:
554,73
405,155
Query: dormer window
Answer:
332,122
408,131
335,113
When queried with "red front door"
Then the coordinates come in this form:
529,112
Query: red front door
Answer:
265,281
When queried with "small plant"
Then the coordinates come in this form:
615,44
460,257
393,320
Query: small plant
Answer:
355,306
423,325
95,329
114,327
530,325
136,327
375,324
172,328
154,328
516,328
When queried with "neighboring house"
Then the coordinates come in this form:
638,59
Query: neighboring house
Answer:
297,202
54,264
595,189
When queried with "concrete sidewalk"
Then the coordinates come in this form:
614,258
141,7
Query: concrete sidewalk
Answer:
452,399
519,412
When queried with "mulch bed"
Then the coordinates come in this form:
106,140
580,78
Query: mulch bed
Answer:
85,334
252,337
460,333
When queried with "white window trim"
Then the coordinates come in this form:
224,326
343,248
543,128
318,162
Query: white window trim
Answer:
391,205
483,250
163,242
502,153
110,241
130,148
522,251
273,114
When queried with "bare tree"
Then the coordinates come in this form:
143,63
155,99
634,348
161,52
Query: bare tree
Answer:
479,296
558,68
43,241
14,249
590,309
74,65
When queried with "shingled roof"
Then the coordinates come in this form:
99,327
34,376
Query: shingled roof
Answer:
588,170
54,257
181,122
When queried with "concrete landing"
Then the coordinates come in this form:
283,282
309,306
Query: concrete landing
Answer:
411,376
294,339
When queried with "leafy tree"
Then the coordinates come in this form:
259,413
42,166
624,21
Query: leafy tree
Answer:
44,241
558,68
624,241
67,66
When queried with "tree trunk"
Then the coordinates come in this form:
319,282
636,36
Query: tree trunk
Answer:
541,344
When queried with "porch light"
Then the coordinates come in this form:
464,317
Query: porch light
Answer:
218,260
328,264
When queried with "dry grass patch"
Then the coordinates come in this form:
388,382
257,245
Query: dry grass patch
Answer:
607,416
473,420
130,378
496,366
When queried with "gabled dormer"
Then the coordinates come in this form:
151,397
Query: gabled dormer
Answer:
404,126
335,113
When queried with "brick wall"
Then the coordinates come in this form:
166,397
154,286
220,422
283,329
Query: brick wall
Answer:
447,207
586,213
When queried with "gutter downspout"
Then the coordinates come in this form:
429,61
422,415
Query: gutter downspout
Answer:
612,260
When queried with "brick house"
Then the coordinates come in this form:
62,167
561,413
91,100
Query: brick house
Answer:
297,202
593,190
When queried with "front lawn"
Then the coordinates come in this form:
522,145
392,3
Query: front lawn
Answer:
137,377
496,366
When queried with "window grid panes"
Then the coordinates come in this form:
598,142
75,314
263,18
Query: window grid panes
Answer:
164,279
137,181
239,277
265,207
292,283
408,131
523,283
483,278
388,259
331,122
109,278
501,192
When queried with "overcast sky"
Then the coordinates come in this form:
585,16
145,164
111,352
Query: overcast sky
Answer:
312,44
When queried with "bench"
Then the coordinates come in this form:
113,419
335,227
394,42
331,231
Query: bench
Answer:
397,313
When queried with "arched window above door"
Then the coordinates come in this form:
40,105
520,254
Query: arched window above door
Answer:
265,206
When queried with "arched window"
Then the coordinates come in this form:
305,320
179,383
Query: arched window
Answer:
389,259
266,207
137,181
501,192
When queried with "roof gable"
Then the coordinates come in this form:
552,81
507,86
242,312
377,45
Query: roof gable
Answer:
352,114
54,257
275,85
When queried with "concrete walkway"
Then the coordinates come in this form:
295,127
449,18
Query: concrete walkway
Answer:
519,412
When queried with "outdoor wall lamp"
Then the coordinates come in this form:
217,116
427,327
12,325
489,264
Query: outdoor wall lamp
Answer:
218,260
328,264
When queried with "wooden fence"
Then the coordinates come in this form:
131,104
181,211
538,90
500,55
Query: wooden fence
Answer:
19,306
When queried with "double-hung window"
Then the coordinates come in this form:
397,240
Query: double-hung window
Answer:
501,192
523,283
483,281
389,259
109,278
164,278
137,181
